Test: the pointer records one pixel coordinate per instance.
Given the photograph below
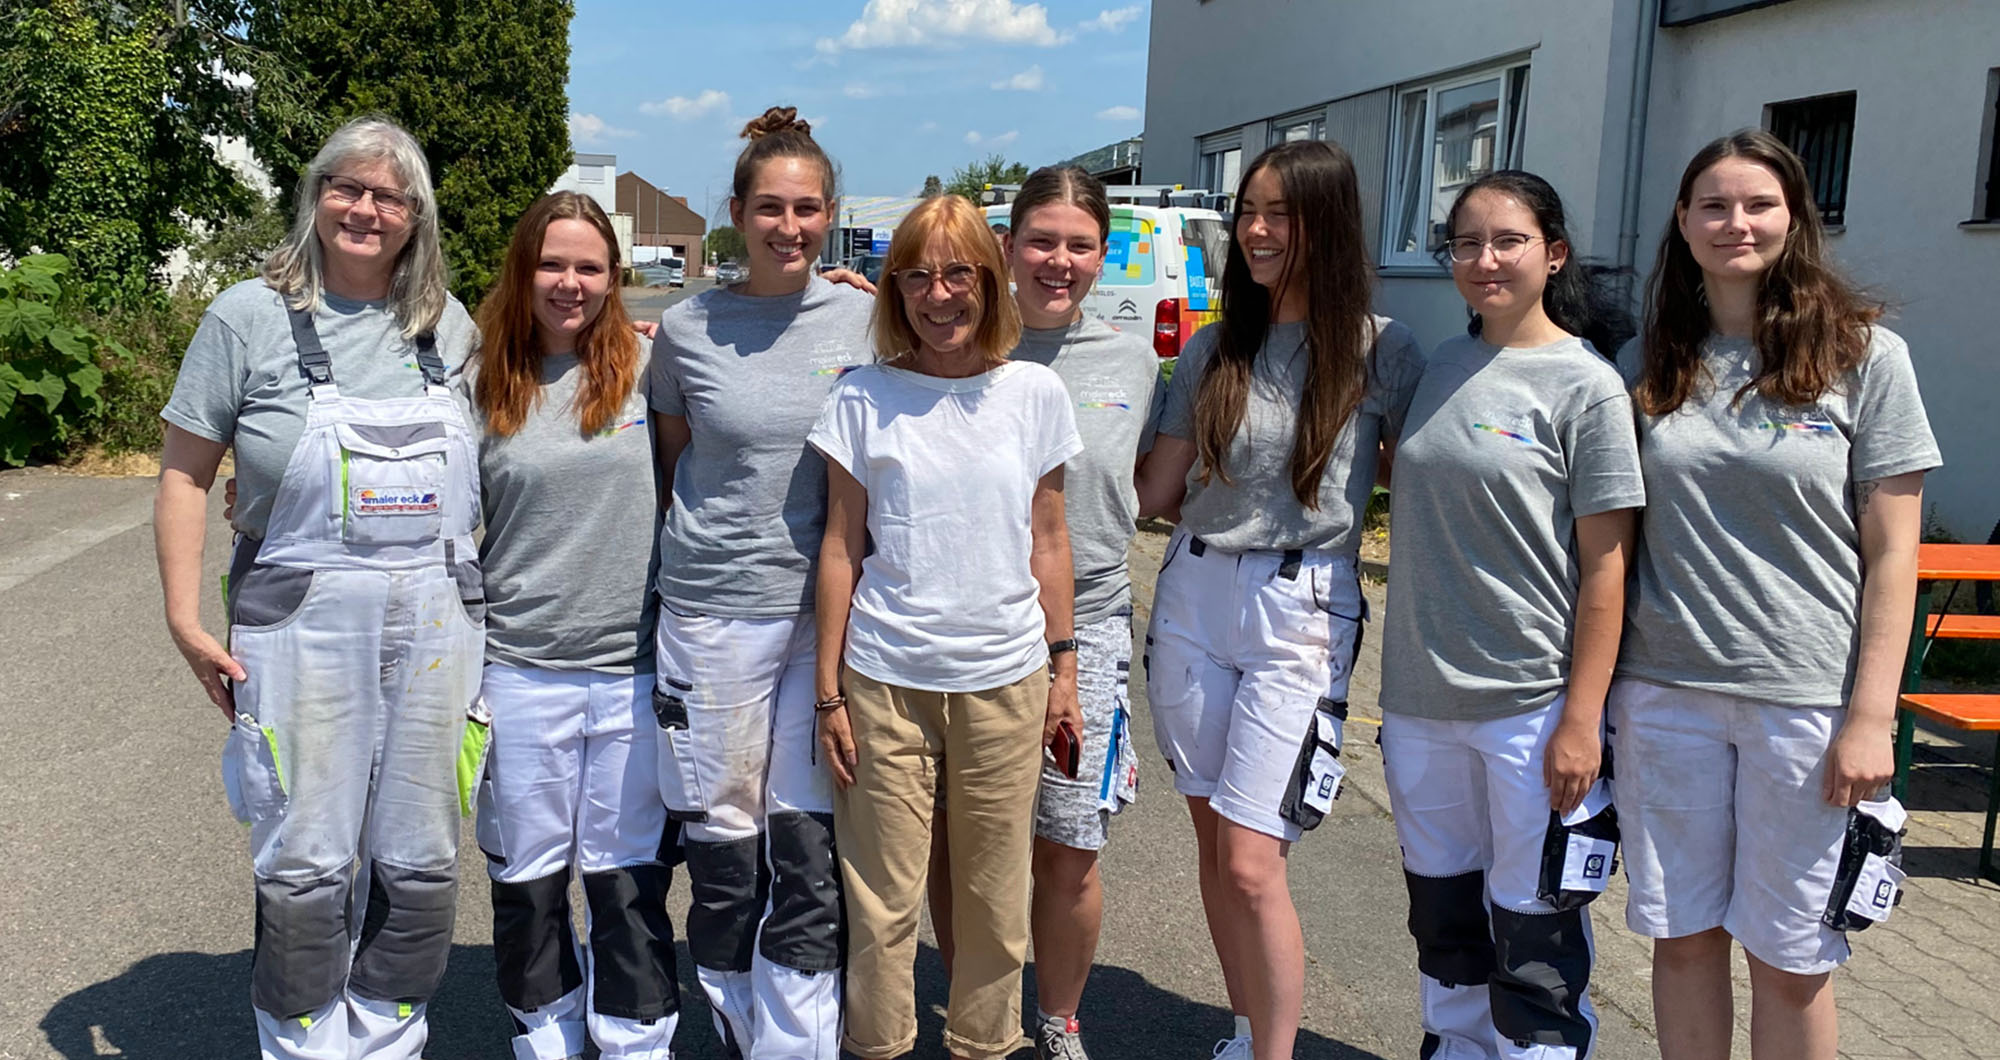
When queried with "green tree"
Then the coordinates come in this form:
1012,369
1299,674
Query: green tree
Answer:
103,107
726,244
971,180
478,82
933,187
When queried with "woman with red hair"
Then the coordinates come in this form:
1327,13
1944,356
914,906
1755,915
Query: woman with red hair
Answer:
566,473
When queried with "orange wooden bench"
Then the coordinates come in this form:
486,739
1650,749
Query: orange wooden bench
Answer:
1973,713
1963,627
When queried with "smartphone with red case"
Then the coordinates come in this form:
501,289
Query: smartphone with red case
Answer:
1066,747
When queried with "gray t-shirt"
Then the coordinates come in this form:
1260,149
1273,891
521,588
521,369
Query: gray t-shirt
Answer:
750,374
1113,380
1503,450
571,522
240,382
1256,509
1749,564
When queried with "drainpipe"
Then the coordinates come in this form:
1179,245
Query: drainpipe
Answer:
1635,138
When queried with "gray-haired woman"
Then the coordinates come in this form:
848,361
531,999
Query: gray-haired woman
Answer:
354,599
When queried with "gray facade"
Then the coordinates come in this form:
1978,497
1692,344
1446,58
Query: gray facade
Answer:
1424,93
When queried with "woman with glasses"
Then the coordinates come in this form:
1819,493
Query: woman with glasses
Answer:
572,787
1516,478
1784,446
1267,455
1061,221
737,379
937,647
354,599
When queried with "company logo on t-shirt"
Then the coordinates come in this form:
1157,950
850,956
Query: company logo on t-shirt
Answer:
831,357
1798,421
1504,433
607,432
1103,397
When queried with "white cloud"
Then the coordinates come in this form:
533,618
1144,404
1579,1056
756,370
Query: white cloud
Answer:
907,23
1119,113
1113,21
860,90
1029,80
710,101
927,127
975,138
586,129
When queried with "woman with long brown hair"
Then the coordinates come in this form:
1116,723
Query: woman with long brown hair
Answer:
566,473
1266,455
1783,444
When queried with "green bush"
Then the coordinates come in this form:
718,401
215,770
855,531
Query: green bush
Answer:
156,330
51,381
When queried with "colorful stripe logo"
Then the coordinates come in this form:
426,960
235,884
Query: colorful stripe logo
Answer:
1102,405
1816,428
838,369
1489,428
621,428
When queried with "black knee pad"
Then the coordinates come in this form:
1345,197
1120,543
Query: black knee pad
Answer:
1448,920
631,943
807,927
300,957
728,885
534,946
405,934
1544,969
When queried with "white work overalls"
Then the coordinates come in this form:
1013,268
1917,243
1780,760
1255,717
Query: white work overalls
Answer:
359,622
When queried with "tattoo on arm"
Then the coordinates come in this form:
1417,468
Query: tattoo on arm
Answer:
1863,493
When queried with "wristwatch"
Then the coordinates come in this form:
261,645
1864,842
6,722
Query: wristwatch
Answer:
1059,646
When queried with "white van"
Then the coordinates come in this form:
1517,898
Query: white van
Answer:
676,271
1162,264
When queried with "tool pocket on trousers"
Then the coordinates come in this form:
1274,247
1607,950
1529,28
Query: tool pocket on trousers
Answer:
1868,883
252,780
1579,851
471,590
266,596
680,785
1316,775
392,482
1120,784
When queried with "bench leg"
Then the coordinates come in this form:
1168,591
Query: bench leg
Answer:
1913,672
1986,869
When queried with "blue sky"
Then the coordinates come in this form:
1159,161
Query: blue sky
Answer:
895,89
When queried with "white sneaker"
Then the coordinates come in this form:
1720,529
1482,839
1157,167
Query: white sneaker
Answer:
1232,1049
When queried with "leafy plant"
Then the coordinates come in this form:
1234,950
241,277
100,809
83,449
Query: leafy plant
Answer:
49,375
971,180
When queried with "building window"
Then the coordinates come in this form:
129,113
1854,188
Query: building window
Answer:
1988,204
1220,168
1821,131
1310,126
1446,135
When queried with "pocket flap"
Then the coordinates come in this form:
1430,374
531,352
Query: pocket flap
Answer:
392,441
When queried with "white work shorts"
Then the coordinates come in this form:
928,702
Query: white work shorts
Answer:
1242,648
1725,823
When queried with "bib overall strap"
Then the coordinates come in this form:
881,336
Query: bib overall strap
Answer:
428,360
313,360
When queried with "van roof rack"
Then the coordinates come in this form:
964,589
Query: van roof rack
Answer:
1163,195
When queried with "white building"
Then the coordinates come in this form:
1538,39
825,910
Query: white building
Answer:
592,175
1608,99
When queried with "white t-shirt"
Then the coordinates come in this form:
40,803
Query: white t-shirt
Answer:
947,601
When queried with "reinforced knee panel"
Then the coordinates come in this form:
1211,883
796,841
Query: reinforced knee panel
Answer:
1448,920
631,943
807,927
729,884
534,946
405,933
299,959
1543,973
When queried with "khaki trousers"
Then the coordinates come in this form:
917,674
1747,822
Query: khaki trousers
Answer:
988,745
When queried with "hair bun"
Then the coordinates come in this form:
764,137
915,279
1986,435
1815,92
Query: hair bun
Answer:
776,120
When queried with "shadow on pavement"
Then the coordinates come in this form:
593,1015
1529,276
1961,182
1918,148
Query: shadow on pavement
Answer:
178,1005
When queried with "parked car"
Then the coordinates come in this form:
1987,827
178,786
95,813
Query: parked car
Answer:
730,272
676,271
868,265
1162,264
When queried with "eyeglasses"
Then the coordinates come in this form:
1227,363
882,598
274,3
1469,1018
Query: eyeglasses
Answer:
916,282
347,192
1507,248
